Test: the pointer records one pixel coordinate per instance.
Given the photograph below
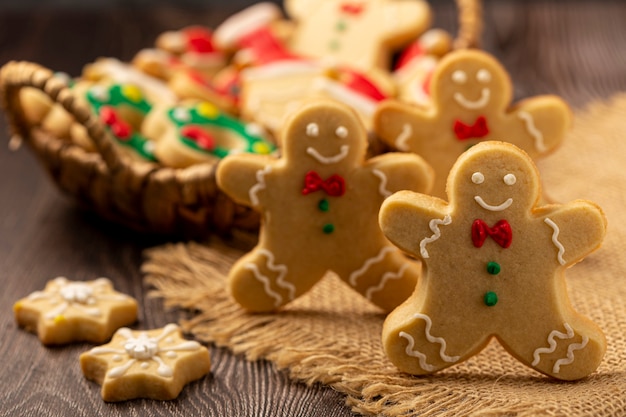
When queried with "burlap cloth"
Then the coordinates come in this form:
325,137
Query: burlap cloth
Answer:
332,336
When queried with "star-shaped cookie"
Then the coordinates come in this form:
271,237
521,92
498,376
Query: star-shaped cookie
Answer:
75,311
153,364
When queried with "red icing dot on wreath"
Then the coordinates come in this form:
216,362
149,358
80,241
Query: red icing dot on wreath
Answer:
201,137
118,126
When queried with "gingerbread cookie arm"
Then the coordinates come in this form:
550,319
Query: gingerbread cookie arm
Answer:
405,20
400,125
242,177
401,171
412,221
546,120
576,229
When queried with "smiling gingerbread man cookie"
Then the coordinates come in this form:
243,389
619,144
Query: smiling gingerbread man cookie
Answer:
319,206
471,97
361,33
494,267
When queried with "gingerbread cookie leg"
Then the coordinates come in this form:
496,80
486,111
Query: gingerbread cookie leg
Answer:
567,348
263,281
386,279
422,342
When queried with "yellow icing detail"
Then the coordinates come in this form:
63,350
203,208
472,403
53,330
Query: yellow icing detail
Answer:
208,110
133,93
59,319
262,148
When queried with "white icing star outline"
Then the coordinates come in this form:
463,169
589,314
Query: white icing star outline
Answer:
83,296
143,348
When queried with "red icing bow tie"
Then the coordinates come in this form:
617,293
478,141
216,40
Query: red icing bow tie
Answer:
501,232
334,185
478,130
354,9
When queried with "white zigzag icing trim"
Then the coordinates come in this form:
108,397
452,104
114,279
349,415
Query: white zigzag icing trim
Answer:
403,137
434,227
282,271
433,339
415,353
552,343
260,185
555,240
386,277
528,120
375,259
410,351
382,188
570,354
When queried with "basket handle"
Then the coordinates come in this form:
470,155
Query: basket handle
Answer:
470,22
16,75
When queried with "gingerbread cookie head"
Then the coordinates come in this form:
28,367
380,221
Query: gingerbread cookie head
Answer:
324,134
483,185
494,266
470,80
470,102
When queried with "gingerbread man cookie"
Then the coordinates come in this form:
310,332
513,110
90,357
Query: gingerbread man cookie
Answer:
154,364
75,311
362,33
470,102
319,204
494,267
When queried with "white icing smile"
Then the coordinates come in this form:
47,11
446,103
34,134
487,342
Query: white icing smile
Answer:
485,95
489,207
344,150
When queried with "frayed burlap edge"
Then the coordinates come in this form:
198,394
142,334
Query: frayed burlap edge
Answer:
331,335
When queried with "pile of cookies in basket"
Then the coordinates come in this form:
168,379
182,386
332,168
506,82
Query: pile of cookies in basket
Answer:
289,108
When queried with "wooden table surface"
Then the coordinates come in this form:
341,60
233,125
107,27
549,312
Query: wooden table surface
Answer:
576,49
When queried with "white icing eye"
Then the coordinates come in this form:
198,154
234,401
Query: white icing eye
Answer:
342,132
510,179
459,77
312,129
483,76
478,178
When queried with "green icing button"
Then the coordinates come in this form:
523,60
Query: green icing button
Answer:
493,268
491,299
328,228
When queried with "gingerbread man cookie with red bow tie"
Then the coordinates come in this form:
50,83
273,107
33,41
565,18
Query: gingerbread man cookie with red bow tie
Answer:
361,33
471,97
319,204
495,266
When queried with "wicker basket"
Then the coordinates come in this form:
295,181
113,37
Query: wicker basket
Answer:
143,196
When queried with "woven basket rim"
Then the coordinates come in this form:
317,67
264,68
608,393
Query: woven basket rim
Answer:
180,183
